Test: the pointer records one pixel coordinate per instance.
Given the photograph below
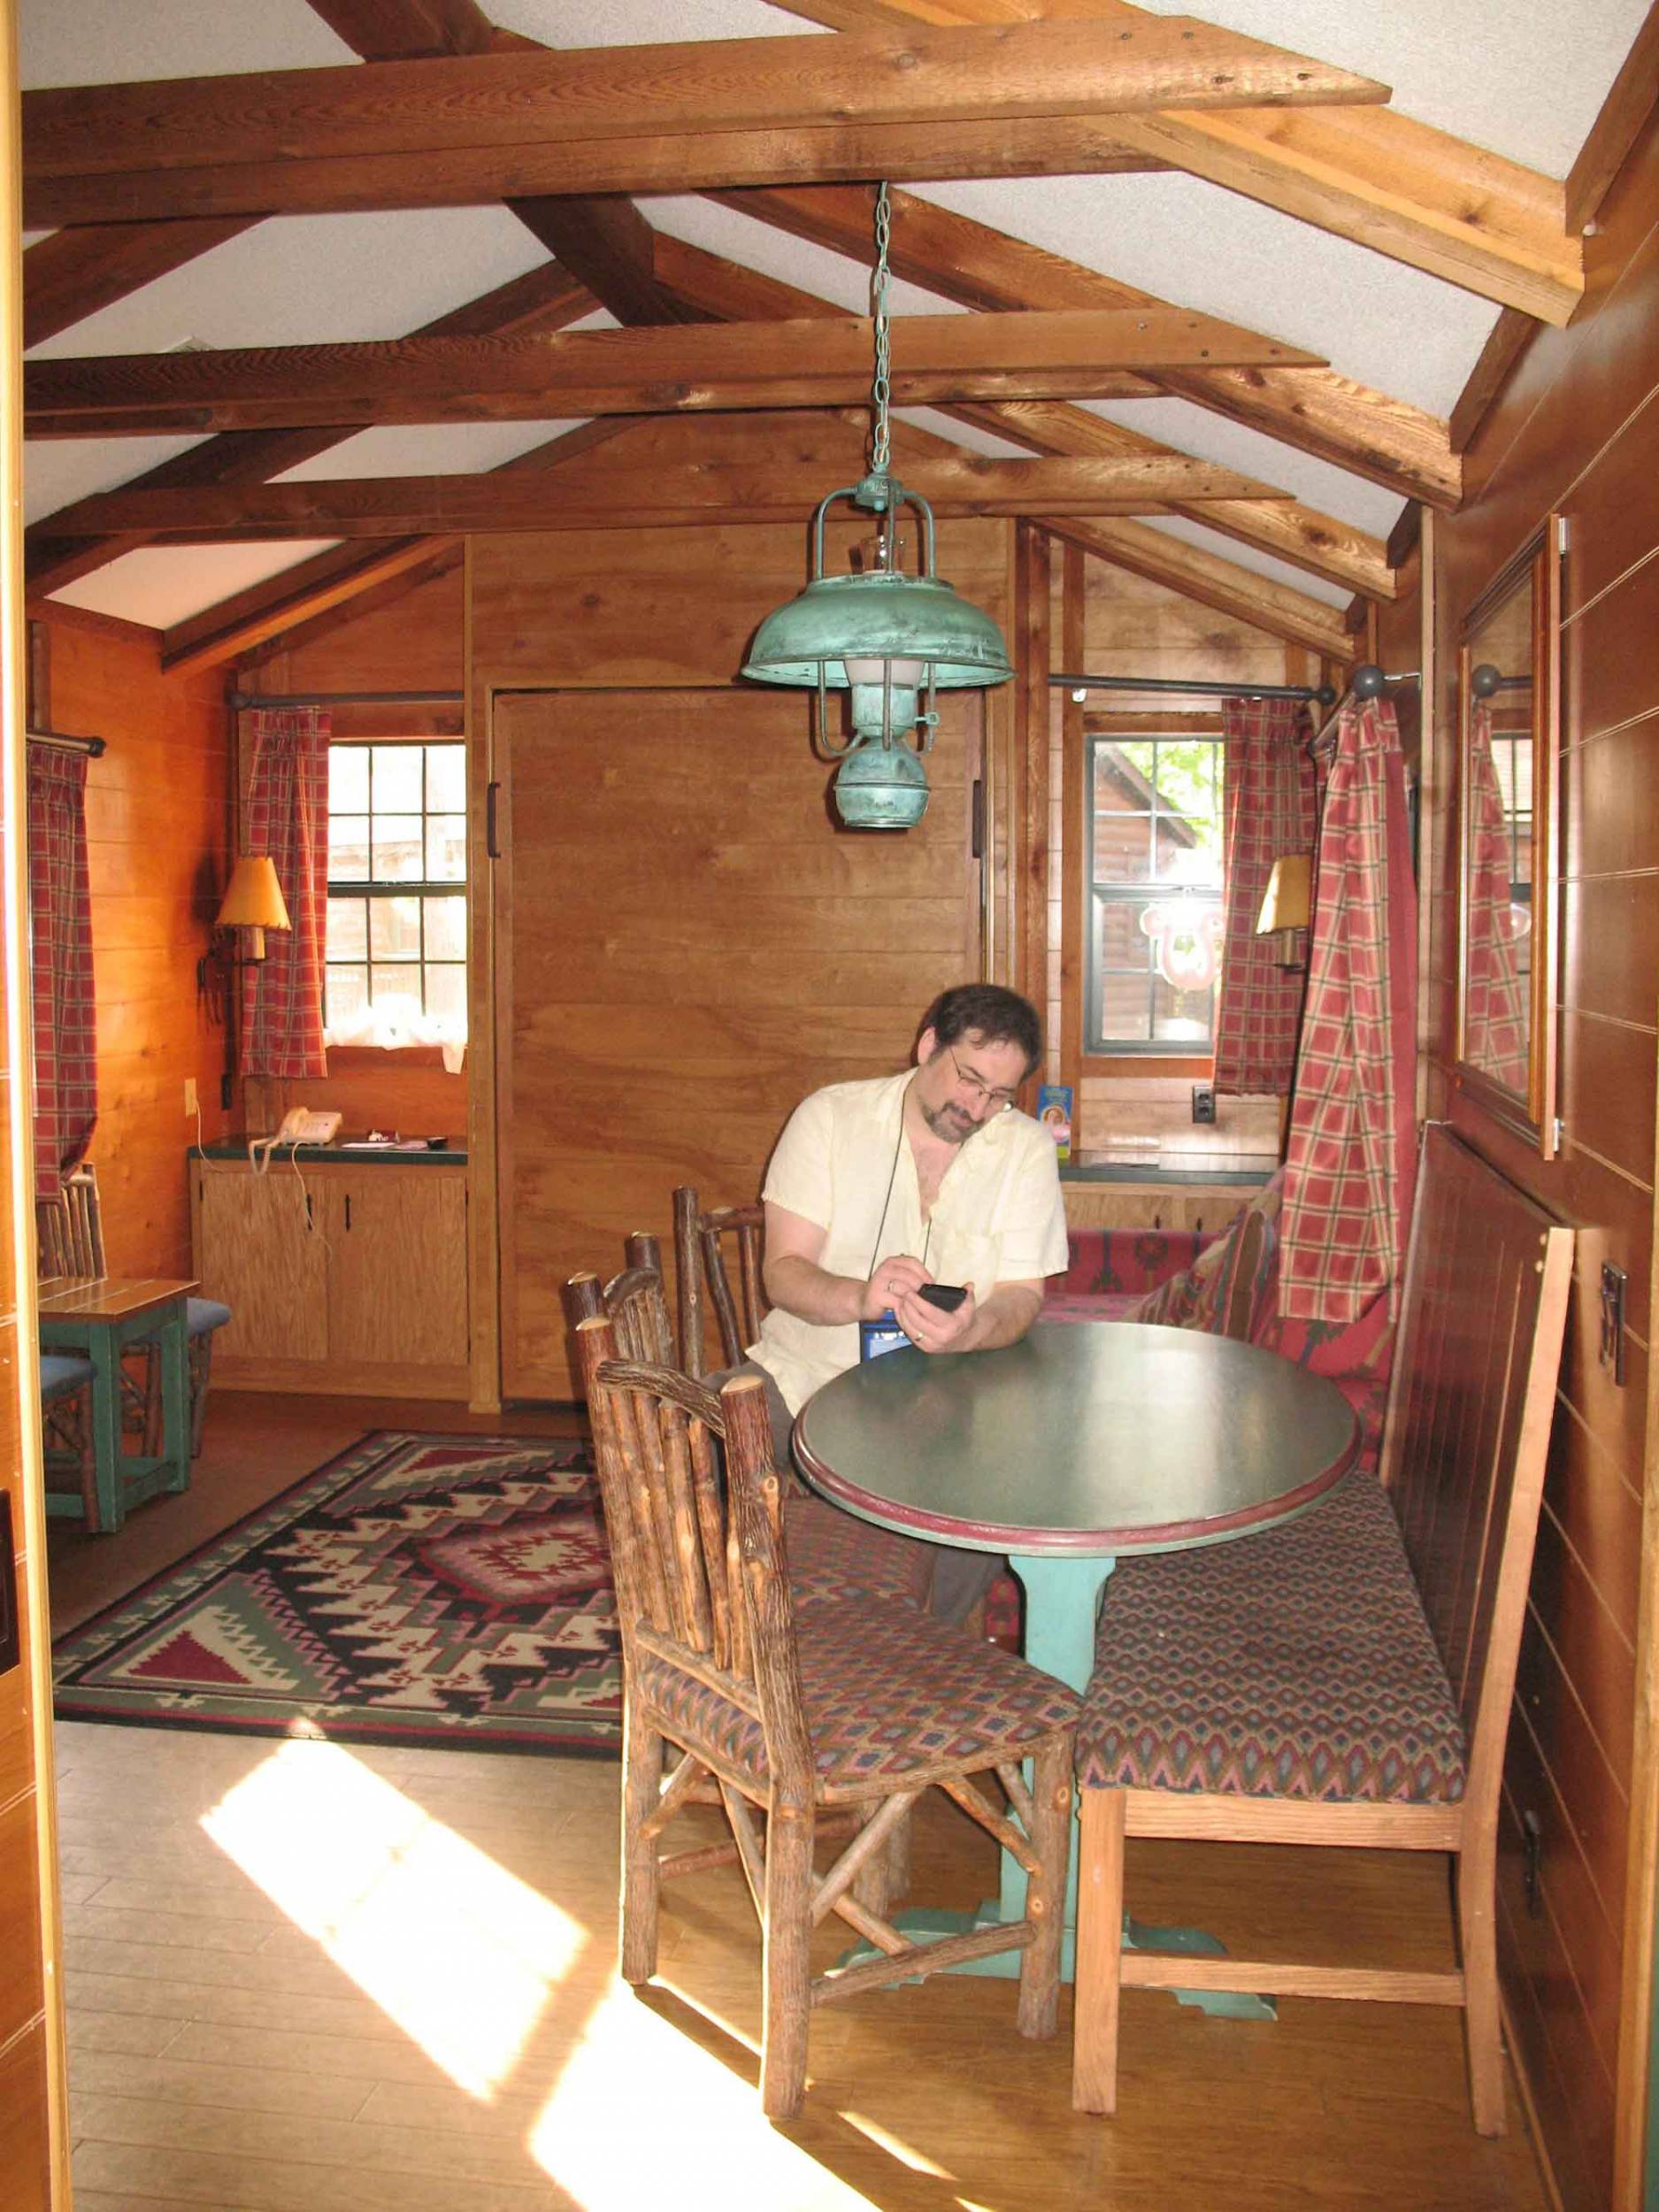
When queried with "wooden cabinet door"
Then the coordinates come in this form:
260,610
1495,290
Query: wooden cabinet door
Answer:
259,1252
686,943
397,1278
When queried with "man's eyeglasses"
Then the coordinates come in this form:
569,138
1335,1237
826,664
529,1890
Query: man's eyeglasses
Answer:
999,1102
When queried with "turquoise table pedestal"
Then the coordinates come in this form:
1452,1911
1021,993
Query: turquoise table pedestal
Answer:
103,1316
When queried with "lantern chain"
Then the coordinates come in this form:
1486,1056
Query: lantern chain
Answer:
879,449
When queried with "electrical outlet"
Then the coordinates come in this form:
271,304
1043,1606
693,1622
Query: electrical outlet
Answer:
1203,1102
192,1104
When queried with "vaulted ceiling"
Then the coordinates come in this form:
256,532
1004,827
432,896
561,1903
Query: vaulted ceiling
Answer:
1236,288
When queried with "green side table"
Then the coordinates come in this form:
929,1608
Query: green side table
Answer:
101,1316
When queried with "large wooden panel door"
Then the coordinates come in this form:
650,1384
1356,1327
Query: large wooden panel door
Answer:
686,942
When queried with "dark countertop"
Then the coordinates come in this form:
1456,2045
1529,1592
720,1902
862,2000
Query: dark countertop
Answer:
1240,1168
337,1155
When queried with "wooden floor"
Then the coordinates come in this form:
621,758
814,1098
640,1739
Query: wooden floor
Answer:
309,1978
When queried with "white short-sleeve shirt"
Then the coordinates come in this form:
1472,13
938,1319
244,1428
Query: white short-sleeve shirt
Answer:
842,1163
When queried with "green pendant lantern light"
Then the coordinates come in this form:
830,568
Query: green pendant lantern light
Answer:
891,640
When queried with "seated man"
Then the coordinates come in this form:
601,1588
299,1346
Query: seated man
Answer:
928,1176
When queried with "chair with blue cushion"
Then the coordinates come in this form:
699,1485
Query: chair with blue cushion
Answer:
70,1231
66,1426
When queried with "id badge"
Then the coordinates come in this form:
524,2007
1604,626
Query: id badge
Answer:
876,1337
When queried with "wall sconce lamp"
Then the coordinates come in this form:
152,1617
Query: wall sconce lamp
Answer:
253,901
1287,910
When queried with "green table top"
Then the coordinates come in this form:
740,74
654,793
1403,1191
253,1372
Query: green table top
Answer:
1084,1437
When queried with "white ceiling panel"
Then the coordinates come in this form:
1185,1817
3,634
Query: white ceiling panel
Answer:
120,42
59,469
164,585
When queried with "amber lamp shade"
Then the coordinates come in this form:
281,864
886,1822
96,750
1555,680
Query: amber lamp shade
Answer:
253,899
1288,907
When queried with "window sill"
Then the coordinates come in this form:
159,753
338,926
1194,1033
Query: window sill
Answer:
369,1059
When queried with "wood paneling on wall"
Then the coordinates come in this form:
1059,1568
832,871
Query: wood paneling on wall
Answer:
1571,435
157,818
414,643
673,609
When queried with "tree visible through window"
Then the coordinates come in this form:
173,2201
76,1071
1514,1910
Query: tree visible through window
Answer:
1153,894
397,938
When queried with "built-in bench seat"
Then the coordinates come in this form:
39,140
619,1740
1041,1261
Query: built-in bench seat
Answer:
1229,1285
1347,1678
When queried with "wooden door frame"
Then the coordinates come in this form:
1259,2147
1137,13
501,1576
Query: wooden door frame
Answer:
20,1163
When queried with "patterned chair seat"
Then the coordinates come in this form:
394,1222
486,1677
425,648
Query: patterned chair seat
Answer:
833,1556
887,1692
1342,1703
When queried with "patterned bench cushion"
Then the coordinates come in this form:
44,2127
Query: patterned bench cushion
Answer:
1126,1262
886,1691
834,1555
1295,1663
1091,1305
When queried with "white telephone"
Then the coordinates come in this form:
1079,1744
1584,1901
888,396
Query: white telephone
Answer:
301,1125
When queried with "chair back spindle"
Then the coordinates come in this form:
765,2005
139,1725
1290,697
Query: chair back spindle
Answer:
706,1245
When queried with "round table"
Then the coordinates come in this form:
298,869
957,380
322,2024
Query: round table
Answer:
1085,1441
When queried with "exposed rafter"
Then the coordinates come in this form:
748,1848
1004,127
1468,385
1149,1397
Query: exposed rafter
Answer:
75,273
1417,195
967,484
1213,582
541,299
712,366
1393,444
585,119
1282,527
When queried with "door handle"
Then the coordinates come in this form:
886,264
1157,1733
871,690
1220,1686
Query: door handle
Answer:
348,1209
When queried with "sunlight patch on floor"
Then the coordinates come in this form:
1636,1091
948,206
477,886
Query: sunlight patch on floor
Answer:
705,2145
460,1954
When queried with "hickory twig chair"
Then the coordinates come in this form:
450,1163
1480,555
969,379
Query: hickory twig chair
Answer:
703,1244
796,1712
1347,1678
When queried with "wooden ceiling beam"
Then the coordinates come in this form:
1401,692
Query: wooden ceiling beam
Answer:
610,246
544,95
476,176
1290,532
1212,581
1420,195
1385,439
964,484
1623,114
712,366
72,274
544,298
409,30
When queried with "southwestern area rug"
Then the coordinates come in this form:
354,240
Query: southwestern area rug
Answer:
416,1589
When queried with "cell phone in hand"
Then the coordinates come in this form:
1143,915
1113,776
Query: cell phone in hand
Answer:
946,1296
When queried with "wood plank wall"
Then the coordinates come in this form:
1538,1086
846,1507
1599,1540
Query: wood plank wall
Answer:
673,609
158,817
1578,431
410,642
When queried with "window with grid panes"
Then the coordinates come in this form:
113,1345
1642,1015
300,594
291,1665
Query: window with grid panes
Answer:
1153,894
396,934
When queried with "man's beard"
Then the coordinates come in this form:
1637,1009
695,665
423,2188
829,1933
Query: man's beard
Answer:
949,1123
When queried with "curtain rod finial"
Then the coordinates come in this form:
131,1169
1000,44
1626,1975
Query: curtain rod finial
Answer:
1368,681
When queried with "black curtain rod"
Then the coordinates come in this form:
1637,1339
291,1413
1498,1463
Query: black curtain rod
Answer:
241,699
1323,694
94,746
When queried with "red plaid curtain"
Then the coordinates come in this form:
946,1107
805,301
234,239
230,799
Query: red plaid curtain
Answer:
1352,1154
287,818
1496,1012
1269,810
60,959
